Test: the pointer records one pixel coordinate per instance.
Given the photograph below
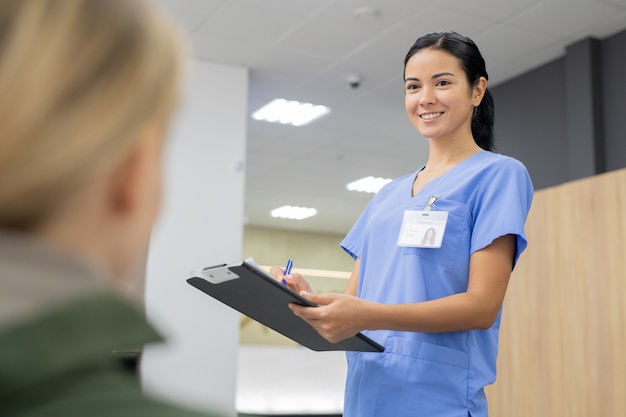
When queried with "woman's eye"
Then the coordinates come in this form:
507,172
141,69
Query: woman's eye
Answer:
443,82
412,86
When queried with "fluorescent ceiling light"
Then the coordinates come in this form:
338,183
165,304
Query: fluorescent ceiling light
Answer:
368,184
293,212
290,112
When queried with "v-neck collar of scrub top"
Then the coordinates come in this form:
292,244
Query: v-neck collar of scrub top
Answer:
433,183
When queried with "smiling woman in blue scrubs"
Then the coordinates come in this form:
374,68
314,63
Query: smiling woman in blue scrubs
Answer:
435,307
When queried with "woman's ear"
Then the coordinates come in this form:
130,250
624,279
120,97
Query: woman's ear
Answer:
124,182
478,91
133,177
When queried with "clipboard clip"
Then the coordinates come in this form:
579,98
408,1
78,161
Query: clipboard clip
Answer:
216,274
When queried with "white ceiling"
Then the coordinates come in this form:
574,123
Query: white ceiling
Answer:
305,49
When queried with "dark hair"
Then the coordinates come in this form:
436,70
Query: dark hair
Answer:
472,62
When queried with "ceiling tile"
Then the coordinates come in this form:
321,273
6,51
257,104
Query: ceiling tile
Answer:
487,9
298,63
337,33
570,26
432,19
293,9
222,50
619,3
610,26
247,22
506,43
190,13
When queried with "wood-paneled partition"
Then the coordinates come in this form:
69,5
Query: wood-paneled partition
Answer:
563,332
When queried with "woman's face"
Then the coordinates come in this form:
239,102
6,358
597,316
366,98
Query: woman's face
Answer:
438,98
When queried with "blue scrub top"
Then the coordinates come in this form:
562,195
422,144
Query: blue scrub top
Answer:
432,374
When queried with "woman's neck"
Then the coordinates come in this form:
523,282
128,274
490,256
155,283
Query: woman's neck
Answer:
441,159
443,156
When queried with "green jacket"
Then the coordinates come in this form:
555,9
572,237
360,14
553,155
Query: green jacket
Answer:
61,363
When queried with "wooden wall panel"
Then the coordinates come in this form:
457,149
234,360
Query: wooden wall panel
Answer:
563,332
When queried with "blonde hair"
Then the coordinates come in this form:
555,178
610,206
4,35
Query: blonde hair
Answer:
78,80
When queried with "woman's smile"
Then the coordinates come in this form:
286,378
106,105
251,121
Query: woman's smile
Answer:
430,116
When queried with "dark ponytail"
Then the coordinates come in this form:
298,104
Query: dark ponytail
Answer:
472,62
482,122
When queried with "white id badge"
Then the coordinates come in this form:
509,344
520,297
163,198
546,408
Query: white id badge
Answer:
423,229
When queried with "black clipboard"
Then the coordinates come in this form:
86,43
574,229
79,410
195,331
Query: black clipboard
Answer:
251,291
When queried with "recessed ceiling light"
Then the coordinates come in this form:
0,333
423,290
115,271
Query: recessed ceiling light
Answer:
290,112
293,212
368,184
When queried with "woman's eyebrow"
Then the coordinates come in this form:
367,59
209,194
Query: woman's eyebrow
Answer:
435,76
442,74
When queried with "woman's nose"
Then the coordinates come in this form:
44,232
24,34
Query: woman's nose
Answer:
427,96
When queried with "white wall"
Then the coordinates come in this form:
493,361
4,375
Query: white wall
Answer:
201,224
290,380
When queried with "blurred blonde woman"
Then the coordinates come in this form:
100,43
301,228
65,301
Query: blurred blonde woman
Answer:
86,91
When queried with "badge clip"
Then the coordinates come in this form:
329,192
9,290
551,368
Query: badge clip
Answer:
430,202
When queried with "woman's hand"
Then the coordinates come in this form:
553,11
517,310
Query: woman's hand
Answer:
293,281
337,317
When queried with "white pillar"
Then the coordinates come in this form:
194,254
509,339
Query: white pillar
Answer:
201,224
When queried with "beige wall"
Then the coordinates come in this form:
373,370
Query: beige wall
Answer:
308,251
563,337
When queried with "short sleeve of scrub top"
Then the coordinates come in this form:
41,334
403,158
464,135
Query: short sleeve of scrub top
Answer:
503,205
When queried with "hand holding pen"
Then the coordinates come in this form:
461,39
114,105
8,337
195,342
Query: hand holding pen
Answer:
287,270
293,281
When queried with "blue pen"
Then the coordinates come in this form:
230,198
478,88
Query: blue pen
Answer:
287,270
